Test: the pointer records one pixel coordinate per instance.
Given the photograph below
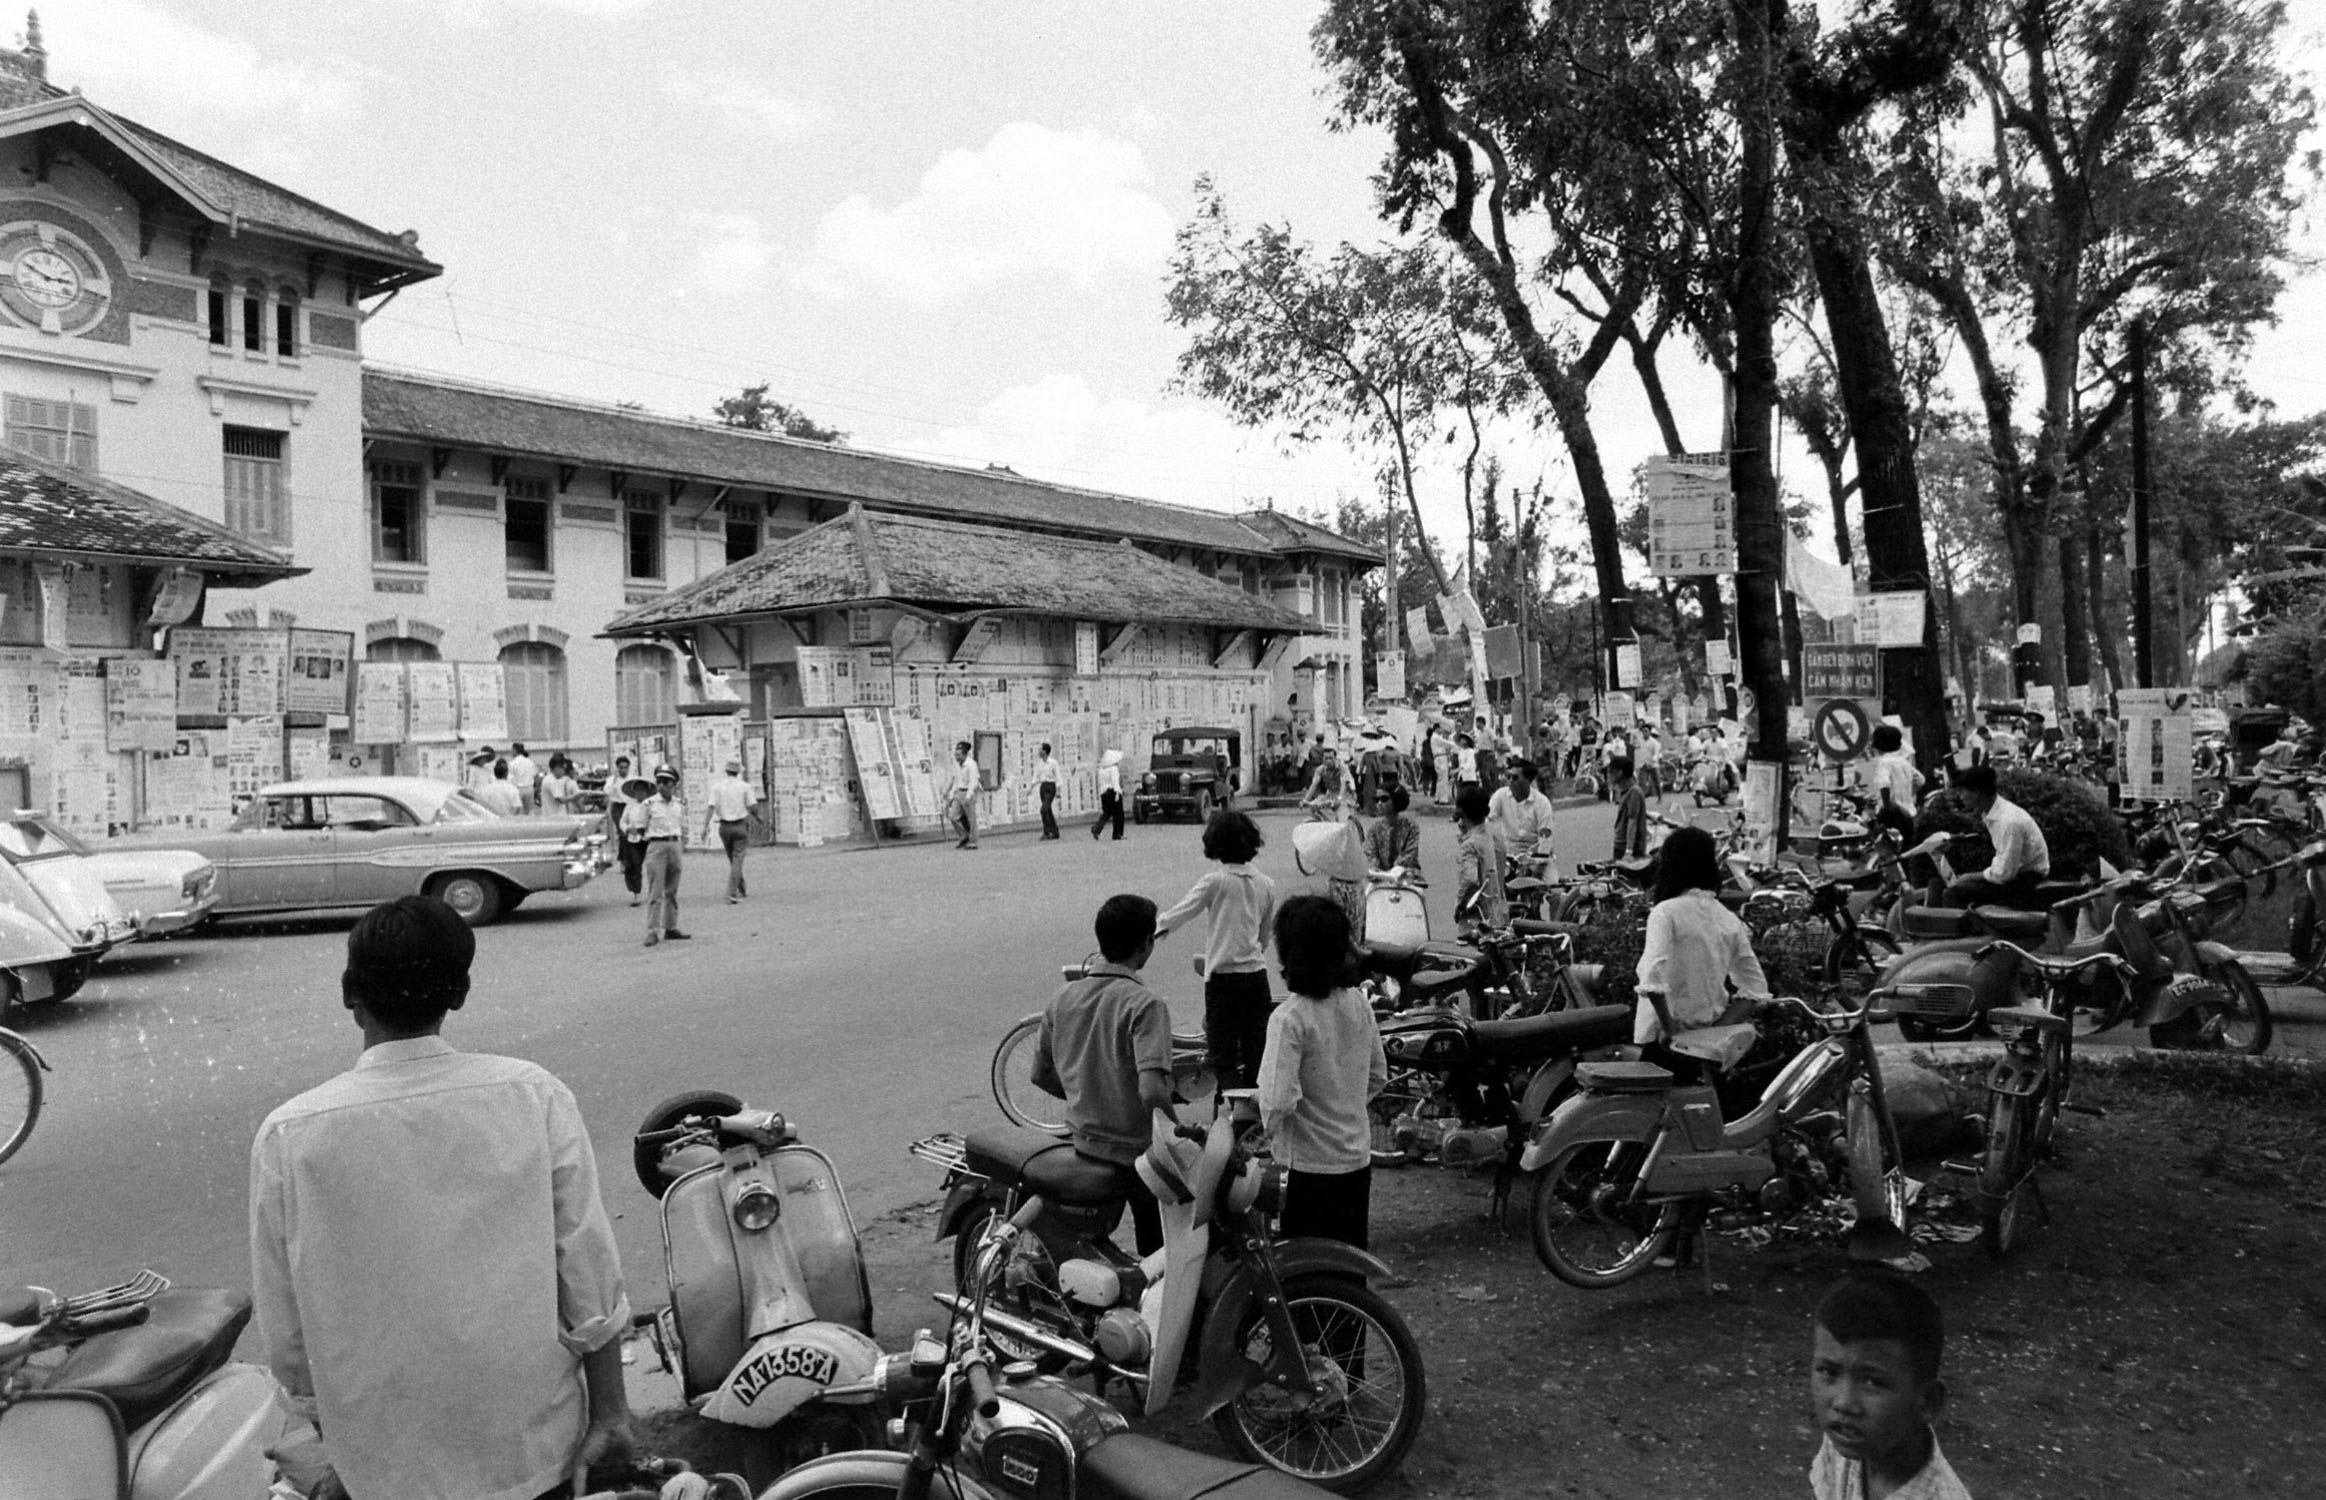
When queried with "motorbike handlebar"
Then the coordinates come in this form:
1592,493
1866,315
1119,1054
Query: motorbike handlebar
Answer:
980,1379
2056,967
1027,1213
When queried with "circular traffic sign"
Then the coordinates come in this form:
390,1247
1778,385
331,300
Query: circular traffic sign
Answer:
1841,728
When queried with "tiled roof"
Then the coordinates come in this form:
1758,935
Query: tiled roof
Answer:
945,565
426,410
45,508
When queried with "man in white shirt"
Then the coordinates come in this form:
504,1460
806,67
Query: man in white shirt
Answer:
1892,779
2022,858
1046,778
961,796
729,816
659,822
435,1278
1520,814
500,794
523,775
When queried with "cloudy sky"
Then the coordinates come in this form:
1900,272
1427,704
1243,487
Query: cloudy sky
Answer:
939,226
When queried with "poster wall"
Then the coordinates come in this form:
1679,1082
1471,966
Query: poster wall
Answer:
706,743
141,704
433,697
228,673
484,701
317,679
379,717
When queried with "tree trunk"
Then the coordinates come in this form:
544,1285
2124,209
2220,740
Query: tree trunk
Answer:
2104,631
1760,522
2075,612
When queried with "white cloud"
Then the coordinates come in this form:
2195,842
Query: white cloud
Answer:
754,109
734,255
152,64
1031,201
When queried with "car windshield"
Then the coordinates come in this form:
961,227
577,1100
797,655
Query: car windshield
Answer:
460,807
1191,747
25,839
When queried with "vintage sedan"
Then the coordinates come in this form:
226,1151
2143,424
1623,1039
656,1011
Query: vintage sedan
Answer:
356,841
59,919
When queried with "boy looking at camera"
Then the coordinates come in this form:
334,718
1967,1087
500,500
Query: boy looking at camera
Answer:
1874,1388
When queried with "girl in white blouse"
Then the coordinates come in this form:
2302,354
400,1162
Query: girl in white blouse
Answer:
1697,968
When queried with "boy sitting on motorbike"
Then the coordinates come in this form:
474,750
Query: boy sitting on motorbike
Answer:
1105,1048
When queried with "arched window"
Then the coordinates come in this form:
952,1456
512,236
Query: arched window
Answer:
402,648
533,674
645,686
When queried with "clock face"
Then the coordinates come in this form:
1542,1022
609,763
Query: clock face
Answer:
51,279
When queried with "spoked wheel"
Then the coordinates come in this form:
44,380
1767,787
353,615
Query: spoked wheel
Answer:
1014,1088
1877,1176
1370,1399
20,1091
1854,964
1585,1228
2003,1181
2241,1023
968,1246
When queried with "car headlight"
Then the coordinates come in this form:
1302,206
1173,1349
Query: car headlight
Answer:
1148,781
757,1208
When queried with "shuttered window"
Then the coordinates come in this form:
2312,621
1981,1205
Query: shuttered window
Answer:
257,504
63,432
534,676
644,686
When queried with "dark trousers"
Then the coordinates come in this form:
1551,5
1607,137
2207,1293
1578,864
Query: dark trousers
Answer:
1978,890
735,837
1049,814
633,853
1110,810
1898,818
1328,1206
1235,1025
1146,1213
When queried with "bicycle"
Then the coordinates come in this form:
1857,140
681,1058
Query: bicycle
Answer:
20,1090
1029,1104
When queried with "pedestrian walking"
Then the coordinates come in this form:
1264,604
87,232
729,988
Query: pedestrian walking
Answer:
961,797
524,775
622,790
1427,762
1110,793
1046,777
730,816
660,822
1239,903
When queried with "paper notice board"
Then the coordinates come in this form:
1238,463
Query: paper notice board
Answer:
229,673
706,742
316,681
433,694
484,702
868,741
2156,744
141,704
379,703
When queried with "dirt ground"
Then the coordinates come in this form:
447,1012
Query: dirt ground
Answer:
2163,1335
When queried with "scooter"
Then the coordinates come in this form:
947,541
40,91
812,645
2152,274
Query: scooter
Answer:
769,1304
128,1392
1300,1364
1943,947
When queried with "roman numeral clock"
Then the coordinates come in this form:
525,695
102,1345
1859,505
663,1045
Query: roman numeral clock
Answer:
50,278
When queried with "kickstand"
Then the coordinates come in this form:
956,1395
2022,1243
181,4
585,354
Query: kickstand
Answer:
1498,1202
1704,1259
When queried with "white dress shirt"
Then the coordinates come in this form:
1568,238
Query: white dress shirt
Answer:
430,1260
965,782
2019,844
1895,774
1525,826
731,798
1046,771
1695,950
502,796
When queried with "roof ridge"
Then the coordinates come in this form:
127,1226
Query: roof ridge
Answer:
266,182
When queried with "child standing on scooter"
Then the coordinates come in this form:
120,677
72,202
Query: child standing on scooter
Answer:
1323,1065
1241,902
1874,1387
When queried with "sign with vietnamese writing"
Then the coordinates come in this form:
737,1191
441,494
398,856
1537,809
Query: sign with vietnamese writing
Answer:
1627,664
316,681
432,693
379,703
141,703
706,742
1691,515
175,597
2040,700
1616,710
1840,672
1417,626
1716,659
1763,784
1389,674
484,701
228,673
2156,752
1892,620
875,770
1086,648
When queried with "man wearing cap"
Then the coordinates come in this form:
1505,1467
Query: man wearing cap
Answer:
435,1278
731,798
622,789
660,822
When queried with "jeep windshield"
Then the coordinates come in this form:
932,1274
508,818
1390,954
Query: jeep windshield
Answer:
1209,746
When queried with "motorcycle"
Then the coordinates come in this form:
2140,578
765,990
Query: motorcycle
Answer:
129,1392
1635,1150
1023,1436
1300,1364
769,1305
1943,947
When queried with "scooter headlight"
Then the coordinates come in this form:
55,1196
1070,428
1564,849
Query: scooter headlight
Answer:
757,1208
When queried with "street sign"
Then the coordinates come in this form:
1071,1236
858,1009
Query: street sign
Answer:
1691,515
1893,619
1627,665
1840,672
1841,728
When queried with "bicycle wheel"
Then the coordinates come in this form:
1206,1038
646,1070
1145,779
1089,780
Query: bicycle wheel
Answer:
19,1093
1014,1089
1586,1229
2003,1174
1854,963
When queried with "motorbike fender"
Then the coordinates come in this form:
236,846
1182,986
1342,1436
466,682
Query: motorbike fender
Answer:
965,1194
1594,1117
786,1370
1956,961
868,1473
1552,1081
1226,1373
2016,1075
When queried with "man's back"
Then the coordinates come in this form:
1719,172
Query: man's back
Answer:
1098,1034
430,1258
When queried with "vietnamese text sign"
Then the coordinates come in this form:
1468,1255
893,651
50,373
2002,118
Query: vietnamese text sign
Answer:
1502,654
433,695
875,772
1840,672
1389,674
141,703
1758,839
1716,660
1892,620
1691,515
1627,664
484,701
1417,627
1086,648
1616,710
317,681
706,742
174,597
2155,748
379,703
228,673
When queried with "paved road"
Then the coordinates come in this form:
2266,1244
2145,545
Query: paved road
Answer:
859,992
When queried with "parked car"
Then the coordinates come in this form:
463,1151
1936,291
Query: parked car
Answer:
1190,770
56,917
160,891
359,840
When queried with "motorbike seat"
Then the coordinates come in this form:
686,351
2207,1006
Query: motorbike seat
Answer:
1128,1466
141,1370
1042,1163
2010,922
1623,1077
1927,922
2048,892
1451,955
2004,1017
1554,1031
1529,927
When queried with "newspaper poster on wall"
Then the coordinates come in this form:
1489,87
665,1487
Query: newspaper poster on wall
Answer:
28,693
432,694
915,764
484,702
1691,515
2156,749
228,673
174,598
307,754
827,675
1758,838
706,742
1389,674
141,703
875,676
379,703
317,678
875,772
56,605
1086,648
254,755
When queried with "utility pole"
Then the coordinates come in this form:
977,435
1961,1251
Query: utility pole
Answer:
2143,625
1390,599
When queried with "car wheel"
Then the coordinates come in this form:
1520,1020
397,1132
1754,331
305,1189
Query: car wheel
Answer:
1139,813
476,897
1203,807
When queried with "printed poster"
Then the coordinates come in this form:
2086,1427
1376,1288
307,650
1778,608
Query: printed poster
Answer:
254,756
228,673
1389,674
706,742
433,697
56,605
875,773
1086,648
141,703
2155,744
379,703
307,754
174,600
484,702
1763,778
876,676
318,672
1691,515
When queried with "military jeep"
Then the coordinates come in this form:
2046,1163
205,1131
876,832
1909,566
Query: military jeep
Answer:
1191,771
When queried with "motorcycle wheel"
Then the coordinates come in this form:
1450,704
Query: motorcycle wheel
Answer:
1013,1081
1581,1233
1854,964
1373,1399
966,1245
2003,1174
646,1159
1877,1180
2243,1026
1407,1091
